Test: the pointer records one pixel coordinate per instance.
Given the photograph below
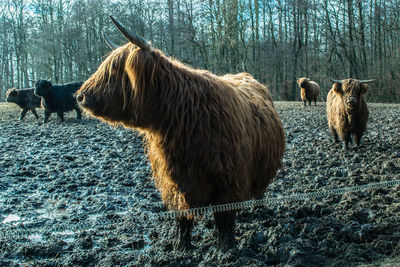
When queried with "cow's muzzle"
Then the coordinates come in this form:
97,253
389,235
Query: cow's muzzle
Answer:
83,100
351,100
80,98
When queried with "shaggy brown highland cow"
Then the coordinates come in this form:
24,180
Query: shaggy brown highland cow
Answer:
347,110
210,139
309,90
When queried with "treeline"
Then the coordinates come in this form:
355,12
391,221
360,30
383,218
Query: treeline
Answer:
276,41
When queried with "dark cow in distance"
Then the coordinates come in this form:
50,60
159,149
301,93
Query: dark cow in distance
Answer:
210,139
25,99
58,98
347,110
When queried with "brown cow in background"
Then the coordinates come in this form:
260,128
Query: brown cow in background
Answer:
210,139
309,90
347,110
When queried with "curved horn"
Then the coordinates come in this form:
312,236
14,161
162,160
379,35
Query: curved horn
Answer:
336,81
366,81
132,37
110,43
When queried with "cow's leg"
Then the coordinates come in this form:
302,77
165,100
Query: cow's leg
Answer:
315,102
23,113
305,103
225,224
78,113
347,140
309,103
46,116
34,113
60,115
184,227
357,138
334,133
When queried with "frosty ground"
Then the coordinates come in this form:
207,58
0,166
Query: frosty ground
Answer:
80,193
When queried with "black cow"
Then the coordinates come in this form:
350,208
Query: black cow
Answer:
58,98
25,99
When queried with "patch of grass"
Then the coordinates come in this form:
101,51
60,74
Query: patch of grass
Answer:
6,107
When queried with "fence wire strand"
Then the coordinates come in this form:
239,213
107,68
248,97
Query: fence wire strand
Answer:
277,200
21,231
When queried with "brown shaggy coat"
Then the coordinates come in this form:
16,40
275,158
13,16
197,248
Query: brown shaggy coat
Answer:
347,110
210,139
309,90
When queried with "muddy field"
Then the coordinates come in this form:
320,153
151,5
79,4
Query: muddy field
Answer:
80,193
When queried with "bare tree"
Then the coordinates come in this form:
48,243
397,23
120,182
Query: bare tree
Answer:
276,41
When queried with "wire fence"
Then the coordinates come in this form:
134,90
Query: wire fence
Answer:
276,200
15,232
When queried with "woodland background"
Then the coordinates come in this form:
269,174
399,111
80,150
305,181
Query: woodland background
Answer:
276,41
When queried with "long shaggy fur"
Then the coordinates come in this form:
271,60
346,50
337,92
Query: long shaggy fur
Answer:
25,99
210,139
309,90
344,120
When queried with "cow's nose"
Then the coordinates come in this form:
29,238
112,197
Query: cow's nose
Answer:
352,99
80,98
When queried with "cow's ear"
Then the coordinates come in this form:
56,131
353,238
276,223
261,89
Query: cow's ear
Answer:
337,87
363,88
